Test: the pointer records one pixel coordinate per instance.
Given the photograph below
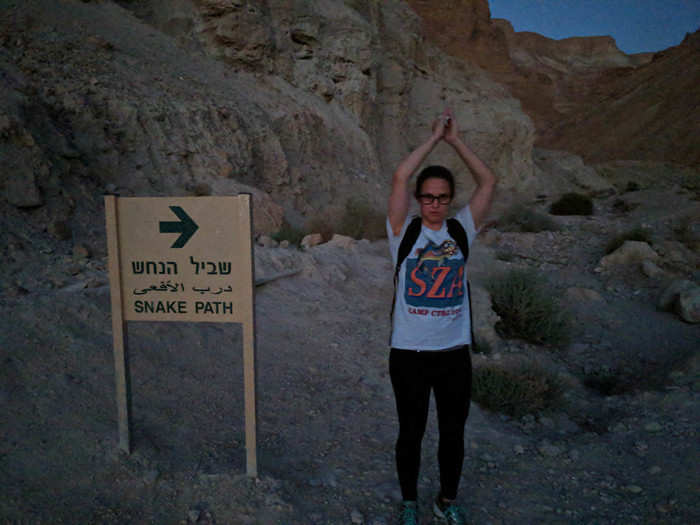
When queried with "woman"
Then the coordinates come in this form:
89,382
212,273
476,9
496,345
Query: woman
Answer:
431,319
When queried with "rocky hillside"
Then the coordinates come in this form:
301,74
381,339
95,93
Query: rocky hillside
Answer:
650,112
314,106
583,94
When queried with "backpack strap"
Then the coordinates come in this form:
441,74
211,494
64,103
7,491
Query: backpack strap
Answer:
456,231
410,237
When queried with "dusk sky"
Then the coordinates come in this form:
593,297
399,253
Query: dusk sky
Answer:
636,25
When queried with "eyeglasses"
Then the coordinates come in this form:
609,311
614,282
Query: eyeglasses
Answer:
428,198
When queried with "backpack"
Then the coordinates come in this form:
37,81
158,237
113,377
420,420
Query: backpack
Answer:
456,231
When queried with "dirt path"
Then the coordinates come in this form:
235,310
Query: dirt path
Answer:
326,415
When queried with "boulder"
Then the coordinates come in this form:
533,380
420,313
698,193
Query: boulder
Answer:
629,253
311,240
651,270
583,294
343,241
567,173
688,305
671,292
485,319
267,242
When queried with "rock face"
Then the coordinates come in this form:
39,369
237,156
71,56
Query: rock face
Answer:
562,172
302,104
465,30
583,94
363,77
650,97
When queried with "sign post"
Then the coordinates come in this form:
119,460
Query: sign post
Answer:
187,259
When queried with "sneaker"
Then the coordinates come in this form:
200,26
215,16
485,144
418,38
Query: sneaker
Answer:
448,513
408,514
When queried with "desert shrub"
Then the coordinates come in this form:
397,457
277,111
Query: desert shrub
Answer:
287,232
632,186
622,206
636,234
572,204
528,308
361,221
505,255
322,225
519,218
481,346
516,388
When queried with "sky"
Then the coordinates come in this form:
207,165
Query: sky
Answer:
636,25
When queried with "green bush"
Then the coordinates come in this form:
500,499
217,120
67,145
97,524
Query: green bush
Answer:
622,206
519,218
289,233
322,225
637,234
361,221
515,389
528,308
572,204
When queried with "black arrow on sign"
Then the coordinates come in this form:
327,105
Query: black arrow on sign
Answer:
185,227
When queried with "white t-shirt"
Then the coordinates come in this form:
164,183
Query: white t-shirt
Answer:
432,310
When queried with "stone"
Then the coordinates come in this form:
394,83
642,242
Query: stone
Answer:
357,517
651,270
688,305
311,240
343,241
60,230
583,294
672,292
80,251
630,252
485,319
267,242
284,244
570,173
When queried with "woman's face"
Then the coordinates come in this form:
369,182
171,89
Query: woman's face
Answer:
432,211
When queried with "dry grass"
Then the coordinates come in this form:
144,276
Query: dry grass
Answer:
516,388
528,308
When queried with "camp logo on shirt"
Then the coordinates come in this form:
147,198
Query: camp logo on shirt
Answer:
433,279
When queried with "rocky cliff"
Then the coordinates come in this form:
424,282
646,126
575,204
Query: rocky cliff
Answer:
305,104
583,94
646,113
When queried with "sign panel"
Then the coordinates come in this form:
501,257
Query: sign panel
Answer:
184,259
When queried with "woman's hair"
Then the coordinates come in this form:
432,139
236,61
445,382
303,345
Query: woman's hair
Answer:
435,172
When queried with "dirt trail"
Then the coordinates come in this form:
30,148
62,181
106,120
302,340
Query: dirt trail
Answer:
326,414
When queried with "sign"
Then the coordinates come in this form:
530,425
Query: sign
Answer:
194,269
186,259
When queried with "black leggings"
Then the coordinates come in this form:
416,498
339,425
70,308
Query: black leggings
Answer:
413,374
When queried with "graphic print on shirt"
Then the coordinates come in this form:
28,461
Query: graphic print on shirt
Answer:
434,280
